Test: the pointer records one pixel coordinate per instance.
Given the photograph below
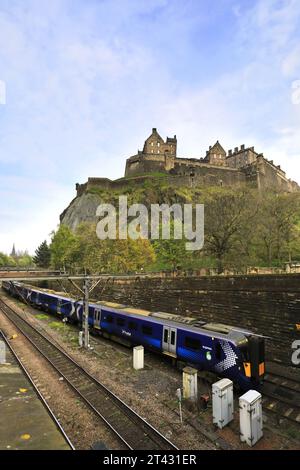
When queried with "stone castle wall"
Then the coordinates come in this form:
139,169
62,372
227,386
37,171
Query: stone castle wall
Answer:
148,163
270,176
263,175
189,177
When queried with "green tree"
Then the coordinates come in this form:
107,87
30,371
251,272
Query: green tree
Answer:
171,252
4,260
25,261
12,262
113,256
63,247
277,232
42,256
129,255
228,215
84,251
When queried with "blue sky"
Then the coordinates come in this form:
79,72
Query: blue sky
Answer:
86,80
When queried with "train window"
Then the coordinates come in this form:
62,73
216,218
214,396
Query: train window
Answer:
218,351
245,353
147,330
120,321
132,325
172,337
192,343
109,319
97,314
261,350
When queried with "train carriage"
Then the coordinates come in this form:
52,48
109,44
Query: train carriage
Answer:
221,349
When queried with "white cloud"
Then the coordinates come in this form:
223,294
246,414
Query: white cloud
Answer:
291,63
86,82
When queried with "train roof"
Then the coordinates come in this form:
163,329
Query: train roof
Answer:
217,330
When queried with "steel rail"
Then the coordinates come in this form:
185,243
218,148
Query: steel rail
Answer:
39,394
136,434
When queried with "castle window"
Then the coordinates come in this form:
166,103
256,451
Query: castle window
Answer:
158,144
151,151
152,144
158,151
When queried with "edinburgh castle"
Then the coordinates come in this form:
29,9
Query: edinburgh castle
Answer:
217,168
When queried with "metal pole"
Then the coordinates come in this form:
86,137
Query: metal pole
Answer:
179,397
85,316
180,412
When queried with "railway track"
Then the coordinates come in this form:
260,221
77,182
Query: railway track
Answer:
281,395
37,391
130,428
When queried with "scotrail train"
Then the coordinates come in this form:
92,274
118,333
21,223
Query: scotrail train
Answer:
224,350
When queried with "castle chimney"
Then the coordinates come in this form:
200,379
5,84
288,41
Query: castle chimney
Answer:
230,153
243,147
236,149
153,129
252,148
210,147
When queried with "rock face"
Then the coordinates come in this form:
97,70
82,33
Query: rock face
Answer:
81,209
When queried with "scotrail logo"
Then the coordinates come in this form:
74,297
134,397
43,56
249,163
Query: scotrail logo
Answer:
164,222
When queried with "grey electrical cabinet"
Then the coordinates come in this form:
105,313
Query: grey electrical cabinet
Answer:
222,401
251,422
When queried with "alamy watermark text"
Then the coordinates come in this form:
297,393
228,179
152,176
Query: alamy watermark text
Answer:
160,221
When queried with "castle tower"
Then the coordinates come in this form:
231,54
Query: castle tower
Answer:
216,155
157,155
156,145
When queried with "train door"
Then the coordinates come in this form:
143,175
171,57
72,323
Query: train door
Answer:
169,339
59,303
97,318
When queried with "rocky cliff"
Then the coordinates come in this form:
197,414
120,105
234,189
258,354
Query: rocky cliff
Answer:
148,191
81,209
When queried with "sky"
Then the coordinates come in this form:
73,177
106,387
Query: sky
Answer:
82,83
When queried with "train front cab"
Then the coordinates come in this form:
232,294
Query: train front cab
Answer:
254,359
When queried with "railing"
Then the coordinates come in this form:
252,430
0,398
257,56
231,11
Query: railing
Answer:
33,269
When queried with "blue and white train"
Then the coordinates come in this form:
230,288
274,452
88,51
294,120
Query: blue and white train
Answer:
221,349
